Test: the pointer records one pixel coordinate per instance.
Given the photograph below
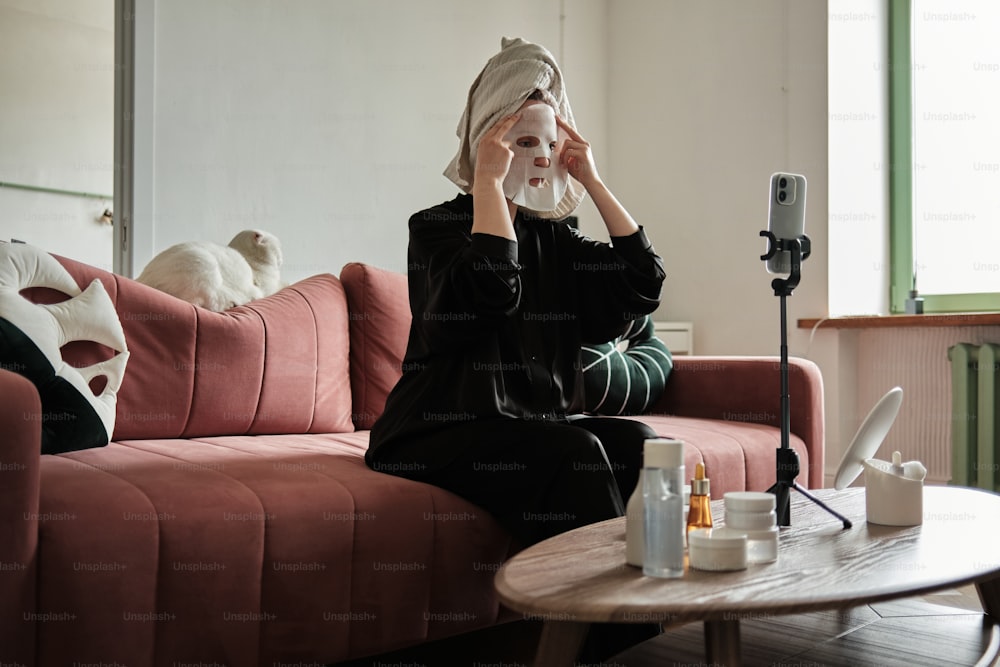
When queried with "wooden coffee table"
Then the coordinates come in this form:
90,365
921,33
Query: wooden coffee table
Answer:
581,577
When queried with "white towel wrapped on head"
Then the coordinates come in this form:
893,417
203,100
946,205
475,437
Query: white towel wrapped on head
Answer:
507,80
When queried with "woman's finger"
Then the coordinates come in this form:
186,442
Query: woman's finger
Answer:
579,152
573,134
503,126
573,146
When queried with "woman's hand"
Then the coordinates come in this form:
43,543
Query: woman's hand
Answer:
579,161
492,213
494,154
577,157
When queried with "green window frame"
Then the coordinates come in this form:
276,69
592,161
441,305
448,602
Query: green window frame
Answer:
901,178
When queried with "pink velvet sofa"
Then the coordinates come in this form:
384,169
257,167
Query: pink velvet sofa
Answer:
233,521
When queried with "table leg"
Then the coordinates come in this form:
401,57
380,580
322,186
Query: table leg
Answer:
722,643
989,595
560,643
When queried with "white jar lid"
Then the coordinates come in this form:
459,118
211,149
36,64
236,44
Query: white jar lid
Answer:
749,501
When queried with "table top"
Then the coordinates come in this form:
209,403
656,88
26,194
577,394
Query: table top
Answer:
582,576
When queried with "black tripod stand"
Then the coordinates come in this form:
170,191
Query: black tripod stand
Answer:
787,468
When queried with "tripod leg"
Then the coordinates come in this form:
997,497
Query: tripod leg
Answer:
782,503
847,522
787,468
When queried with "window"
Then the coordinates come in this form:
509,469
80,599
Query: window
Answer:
944,79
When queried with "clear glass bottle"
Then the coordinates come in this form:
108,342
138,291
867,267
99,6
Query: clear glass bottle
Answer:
635,544
663,500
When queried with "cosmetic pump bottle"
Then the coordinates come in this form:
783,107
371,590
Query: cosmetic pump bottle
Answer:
663,500
700,512
635,519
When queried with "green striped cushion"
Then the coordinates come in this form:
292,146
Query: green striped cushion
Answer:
618,382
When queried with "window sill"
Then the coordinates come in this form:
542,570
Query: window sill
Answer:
889,321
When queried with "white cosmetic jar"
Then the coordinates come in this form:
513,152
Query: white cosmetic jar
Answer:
750,510
753,512
717,549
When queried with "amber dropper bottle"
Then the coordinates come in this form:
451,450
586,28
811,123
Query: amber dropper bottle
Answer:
700,510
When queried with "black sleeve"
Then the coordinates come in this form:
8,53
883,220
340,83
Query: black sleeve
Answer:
462,285
618,282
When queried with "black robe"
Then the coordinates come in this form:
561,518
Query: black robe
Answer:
497,325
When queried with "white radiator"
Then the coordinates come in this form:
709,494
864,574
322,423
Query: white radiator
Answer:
915,359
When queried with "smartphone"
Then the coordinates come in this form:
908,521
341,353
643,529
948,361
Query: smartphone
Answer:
786,215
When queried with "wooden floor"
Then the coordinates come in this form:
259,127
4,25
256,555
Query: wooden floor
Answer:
946,628
507,645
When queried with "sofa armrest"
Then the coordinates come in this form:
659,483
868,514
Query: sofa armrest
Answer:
20,452
748,389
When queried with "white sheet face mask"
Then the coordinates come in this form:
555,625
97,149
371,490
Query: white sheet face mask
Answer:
535,179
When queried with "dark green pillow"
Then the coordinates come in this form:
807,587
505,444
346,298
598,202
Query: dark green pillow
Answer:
626,382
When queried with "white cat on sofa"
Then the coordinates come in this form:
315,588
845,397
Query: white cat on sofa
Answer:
218,277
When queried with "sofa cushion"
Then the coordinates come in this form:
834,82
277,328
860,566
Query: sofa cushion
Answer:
225,541
255,550
74,415
275,365
738,456
380,317
626,382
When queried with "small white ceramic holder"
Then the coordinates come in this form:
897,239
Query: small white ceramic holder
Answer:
717,549
894,492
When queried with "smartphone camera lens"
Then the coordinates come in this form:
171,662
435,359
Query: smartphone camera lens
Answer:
782,196
783,183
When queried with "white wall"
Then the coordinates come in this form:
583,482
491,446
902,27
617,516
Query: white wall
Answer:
329,123
707,100
56,125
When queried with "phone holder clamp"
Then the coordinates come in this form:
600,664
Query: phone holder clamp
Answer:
800,249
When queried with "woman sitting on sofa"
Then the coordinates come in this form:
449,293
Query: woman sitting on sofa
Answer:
503,294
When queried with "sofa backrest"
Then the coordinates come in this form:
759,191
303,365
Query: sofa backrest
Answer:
379,304
276,365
